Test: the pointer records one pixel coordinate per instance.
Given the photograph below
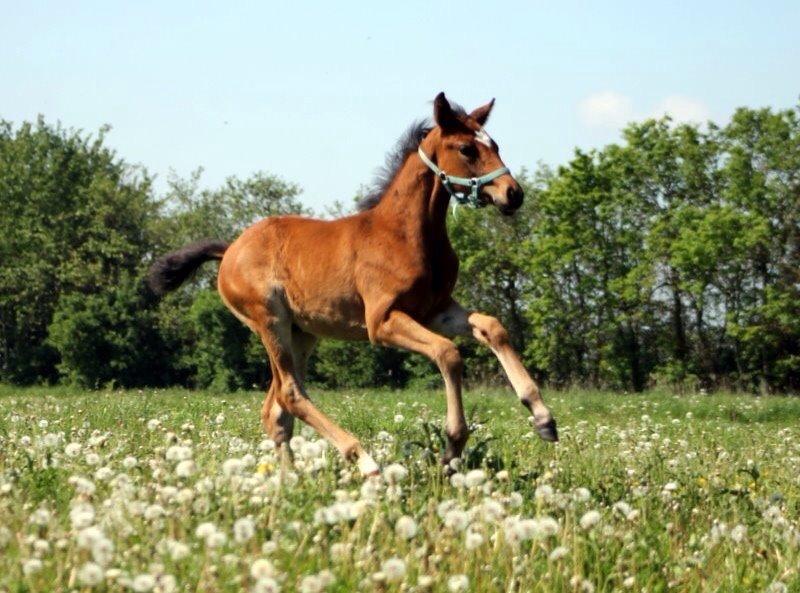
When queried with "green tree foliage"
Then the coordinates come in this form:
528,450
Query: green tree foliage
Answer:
670,257
223,353
493,275
109,338
74,223
357,364
189,212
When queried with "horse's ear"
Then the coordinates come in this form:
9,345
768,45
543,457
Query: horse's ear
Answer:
444,115
481,114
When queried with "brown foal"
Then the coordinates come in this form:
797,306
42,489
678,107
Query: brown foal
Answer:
385,274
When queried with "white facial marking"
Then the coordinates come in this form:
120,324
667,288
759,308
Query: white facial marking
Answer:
482,137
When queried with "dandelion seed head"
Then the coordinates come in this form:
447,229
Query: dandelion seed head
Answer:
581,494
31,566
456,519
738,533
458,583
395,473
143,583
544,493
589,520
405,527
457,480
90,574
266,585
473,540
558,553
244,529
262,569
394,569
81,515
72,449
311,584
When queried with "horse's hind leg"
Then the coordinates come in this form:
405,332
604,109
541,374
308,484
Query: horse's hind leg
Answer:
278,422
302,346
275,330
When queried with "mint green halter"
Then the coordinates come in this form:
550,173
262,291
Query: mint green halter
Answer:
474,183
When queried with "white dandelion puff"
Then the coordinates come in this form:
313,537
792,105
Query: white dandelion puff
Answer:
262,569
185,468
395,473
143,583
589,520
266,585
31,566
90,574
475,478
473,540
244,529
394,569
406,527
558,553
311,584
72,450
458,583
738,533
544,493
456,519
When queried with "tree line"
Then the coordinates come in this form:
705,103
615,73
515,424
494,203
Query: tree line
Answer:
670,258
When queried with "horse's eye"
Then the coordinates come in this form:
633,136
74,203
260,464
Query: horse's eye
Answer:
469,151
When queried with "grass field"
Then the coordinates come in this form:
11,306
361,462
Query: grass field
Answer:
179,491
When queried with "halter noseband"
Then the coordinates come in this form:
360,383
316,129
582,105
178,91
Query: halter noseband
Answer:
474,183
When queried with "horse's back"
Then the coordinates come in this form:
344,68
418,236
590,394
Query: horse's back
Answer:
306,264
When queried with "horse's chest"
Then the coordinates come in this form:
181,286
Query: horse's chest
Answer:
443,273
431,282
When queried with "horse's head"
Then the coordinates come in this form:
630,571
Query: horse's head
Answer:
467,160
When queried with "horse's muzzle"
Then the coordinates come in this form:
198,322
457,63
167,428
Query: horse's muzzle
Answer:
514,197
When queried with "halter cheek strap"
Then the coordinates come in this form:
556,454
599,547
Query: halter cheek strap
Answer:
474,183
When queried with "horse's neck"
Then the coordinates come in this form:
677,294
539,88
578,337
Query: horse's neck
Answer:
417,202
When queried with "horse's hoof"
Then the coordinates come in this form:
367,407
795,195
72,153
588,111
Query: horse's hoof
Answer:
548,431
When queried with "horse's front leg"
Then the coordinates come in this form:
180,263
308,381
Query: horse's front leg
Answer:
455,321
400,330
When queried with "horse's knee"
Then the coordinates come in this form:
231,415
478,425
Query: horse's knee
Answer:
276,420
448,358
490,331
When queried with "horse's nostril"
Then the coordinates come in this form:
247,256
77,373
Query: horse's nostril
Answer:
514,195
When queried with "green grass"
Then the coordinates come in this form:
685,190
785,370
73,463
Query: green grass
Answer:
710,486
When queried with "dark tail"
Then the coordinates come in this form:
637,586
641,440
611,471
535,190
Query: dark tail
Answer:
169,271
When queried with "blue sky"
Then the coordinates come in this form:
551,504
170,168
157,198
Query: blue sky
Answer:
317,92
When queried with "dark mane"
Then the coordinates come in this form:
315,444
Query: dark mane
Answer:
395,158
408,143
